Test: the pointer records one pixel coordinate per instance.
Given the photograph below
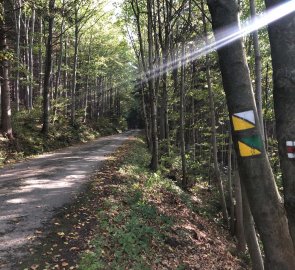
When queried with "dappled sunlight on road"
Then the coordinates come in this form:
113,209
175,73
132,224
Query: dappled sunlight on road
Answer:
32,190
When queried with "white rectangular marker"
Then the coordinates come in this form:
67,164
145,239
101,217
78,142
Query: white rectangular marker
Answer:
290,149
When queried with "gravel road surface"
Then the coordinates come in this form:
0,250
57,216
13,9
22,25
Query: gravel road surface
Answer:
32,191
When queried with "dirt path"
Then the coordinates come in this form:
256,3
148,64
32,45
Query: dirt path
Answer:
31,191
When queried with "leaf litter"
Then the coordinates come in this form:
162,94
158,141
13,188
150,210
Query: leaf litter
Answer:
120,222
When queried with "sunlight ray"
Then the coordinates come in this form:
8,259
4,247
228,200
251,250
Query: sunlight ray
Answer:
225,37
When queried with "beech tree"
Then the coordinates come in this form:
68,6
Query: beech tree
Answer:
254,168
48,64
282,41
6,127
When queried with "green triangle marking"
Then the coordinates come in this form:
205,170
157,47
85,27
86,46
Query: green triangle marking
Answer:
253,141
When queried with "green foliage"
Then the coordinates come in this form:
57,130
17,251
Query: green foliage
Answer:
131,225
30,141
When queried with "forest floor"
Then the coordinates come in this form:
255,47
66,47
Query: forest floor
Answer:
130,218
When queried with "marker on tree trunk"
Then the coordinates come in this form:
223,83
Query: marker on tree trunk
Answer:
291,149
243,120
250,146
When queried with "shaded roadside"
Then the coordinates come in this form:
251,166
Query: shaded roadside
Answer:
31,191
129,218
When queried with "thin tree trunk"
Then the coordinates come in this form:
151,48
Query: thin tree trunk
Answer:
66,83
59,64
27,60
266,105
40,57
87,83
240,233
258,85
217,173
181,122
31,59
74,83
230,187
152,91
6,127
18,56
143,104
48,64
250,234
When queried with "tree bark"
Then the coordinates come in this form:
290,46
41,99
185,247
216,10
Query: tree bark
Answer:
240,233
48,64
40,56
254,167
6,127
31,58
18,35
217,174
181,120
230,187
74,82
152,91
282,41
258,86
250,234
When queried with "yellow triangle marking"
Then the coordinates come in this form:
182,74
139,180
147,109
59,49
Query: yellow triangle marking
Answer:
240,124
247,151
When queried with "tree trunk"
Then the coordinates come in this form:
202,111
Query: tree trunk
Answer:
66,84
31,59
26,23
146,122
74,83
152,91
58,73
282,41
40,56
250,234
217,174
258,86
181,122
18,56
48,64
240,233
6,127
254,167
230,187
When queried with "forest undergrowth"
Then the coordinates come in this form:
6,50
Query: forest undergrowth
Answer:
131,218
29,141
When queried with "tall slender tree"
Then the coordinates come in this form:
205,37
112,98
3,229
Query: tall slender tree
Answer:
48,65
282,41
254,167
6,127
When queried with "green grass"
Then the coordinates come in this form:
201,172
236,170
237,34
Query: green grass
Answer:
130,225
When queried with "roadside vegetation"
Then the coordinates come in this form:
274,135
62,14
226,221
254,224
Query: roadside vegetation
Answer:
29,141
132,218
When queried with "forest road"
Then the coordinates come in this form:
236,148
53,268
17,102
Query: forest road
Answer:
32,191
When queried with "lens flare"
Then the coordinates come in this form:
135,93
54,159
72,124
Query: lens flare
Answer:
225,37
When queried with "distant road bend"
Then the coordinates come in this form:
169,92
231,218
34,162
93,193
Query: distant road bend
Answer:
30,191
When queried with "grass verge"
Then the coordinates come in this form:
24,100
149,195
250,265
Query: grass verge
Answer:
130,218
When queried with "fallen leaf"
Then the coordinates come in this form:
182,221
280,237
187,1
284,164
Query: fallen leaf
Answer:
64,264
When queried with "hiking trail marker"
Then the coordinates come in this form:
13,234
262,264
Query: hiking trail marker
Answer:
250,146
290,149
243,120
